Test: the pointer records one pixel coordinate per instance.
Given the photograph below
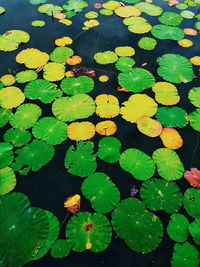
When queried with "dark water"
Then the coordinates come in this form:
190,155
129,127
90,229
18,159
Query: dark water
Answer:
49,187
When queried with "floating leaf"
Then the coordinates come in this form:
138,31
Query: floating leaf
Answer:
8,80
72,203
33,156
170,18
136,162
194,231
141,230
185,43
88,231
187,14
19,219
63,41
171,138
17,137
11,97
175,68
124,64
2,10
51,130
74,60
54,71
49,9
5,115
172,117
60,54
166,93
32,58
194,119
177,228
167,32
42,90
148,126
25,116
38,23
81,161
91,23
106,57
195,60
111,5
101,192
137,106
136,80
26,76
7,180
185,255
91,14
109,149
106,128
158,194
191,202
168,163
193,177
37,2
125,51
190,31
127,11
103,78
149,9
137,25
6,154
107,106
81,84
80,130
60,248
106,12
147,43
75,5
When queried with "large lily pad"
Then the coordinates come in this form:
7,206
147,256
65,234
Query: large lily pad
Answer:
26,76
72,86
17,137
109,149
149,9
11,97
194,96
7,180
60,248
54,71
101,192
161,31
171,18
177,228
141,230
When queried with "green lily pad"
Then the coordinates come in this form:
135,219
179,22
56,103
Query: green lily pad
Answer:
49,9
158,194
37,2
75,5
1,85
79,106
149,9
81,161
26,76
17,137
2,10
197,25
7,180
101,192
54,229
106,57
25,116
194,96
106,12
170,18
194,229
51,130
191,202
111,5
187,14
161,31
60,54
5,115
60,248
72,86
22,226
141,230
38,23
124,64
177,228
168,163
147,43
175,68
91,15
109,149
88,231
33,156
181,6
185,255
136,80
139,164
195,119
6,154
172,116
43,90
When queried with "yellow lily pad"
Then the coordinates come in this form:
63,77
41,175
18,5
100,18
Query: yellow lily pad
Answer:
54,71
185,43
63,41
125,51
149,126
80,130
127,11
106,128
171,138
195,60
8,79
11,97
107,106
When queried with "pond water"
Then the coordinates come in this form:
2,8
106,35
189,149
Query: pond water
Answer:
52,184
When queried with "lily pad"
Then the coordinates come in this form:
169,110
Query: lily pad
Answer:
6,154
136,80
107,106
177,228
101,192
18,218
106,57
161,31
7,180
51,130
136,162
191,202
195,119
26,76
127,11
194,231
141,230
149,9
37,2
77,131
60,54
25,116
124,64
79,106
81,161
158,194
17,137
11,97
168,163
137,25
38,23
75,5
54,71
72,86
88,231
194,96
125,51
32,156
175,68
49,9
2,10
147,43
109,149
5,115
170,18
60,248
